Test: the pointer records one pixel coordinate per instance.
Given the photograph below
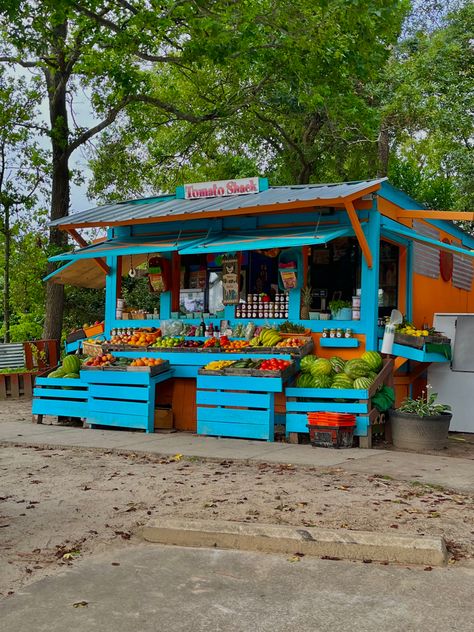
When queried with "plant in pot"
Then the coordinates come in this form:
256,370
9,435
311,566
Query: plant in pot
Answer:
421,423
306,299
340,310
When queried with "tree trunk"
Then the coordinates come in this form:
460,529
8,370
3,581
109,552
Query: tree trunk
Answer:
60,187
6,275
383,152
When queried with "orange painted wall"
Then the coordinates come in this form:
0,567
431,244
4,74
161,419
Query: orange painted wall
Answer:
345,354
435,295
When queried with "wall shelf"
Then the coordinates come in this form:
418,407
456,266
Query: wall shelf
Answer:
346,343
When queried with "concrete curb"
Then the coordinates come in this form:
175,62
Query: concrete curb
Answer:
341,543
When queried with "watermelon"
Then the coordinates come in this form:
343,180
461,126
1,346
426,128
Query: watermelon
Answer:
372,375
337,364
307,362
342,381
373,359
72,376
71,364
321,366
356,368
305,380
321,381
57,373
363,383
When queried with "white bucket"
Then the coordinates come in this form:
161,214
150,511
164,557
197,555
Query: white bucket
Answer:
356,302
120,303
356,314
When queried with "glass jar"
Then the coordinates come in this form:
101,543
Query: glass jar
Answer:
348,333
332,333
325,333
339,333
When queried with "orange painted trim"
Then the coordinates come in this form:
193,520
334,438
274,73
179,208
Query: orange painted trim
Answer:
389,209
467,216
251,210
83,243
354,219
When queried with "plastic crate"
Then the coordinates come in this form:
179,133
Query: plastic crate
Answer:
327,435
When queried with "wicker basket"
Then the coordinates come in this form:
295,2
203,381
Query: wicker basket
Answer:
91,349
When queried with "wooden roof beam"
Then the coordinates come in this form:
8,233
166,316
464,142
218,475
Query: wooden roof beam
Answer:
361,238
467,216
83,243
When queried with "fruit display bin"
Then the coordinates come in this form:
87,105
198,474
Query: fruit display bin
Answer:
301,401
61,397
123,399
237,406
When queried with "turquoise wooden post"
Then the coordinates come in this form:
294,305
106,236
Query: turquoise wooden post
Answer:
110,294
165,297
370,279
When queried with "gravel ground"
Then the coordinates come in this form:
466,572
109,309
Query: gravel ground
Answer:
57,505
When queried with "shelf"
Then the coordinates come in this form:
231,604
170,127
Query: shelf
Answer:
419,355
347,343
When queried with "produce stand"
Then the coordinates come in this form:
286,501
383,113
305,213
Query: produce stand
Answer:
218,261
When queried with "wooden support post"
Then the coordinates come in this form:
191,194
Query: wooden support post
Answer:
366,442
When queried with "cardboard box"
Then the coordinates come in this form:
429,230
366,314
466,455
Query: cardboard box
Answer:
164,418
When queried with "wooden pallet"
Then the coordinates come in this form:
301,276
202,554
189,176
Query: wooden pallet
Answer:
60,397
237,406
123,399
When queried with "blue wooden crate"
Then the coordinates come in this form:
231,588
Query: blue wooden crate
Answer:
62,397
301,401
124,399
236,406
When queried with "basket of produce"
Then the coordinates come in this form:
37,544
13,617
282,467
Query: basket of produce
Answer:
418,338
290,330
265,340
274,367
299,345
243,367
154,366
216,367
98,362
92,348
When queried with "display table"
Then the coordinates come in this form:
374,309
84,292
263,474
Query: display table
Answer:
62,397
125,399
237,406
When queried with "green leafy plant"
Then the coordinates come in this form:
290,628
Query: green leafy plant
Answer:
336,306
425,405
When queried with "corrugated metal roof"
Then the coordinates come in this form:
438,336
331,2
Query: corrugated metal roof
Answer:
148,208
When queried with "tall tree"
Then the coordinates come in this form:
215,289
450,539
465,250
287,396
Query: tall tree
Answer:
22,171
103,50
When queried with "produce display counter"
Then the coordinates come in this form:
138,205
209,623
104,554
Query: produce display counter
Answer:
237,406
124,399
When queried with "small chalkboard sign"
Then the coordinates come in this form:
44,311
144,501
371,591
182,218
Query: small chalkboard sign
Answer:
230,280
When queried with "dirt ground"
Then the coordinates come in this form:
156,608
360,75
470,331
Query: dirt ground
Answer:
59,504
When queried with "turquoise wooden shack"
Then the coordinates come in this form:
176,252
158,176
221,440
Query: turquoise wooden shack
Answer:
363,246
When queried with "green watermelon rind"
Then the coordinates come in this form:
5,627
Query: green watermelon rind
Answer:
306,363
71,364
321,367
356,368
373,359
362,383
322,381
72,376
337,364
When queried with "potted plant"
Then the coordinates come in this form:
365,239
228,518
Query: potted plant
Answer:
340,310
306,300
421,424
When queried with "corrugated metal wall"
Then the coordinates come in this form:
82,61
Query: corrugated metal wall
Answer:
12,356
463,272
426,258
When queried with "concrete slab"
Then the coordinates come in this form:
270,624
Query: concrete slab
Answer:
150,587
332,543
446,471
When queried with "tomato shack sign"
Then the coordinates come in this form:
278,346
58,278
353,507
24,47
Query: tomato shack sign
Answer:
221,188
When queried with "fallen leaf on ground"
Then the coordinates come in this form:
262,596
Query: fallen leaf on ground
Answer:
80,604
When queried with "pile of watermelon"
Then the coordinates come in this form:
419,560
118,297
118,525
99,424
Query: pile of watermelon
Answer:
69,368
358,373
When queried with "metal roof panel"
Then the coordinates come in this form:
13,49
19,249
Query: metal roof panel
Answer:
146,209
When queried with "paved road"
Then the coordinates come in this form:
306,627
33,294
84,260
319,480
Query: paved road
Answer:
149,588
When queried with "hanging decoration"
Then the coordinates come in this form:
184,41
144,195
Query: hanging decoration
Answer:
230,279
159,274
